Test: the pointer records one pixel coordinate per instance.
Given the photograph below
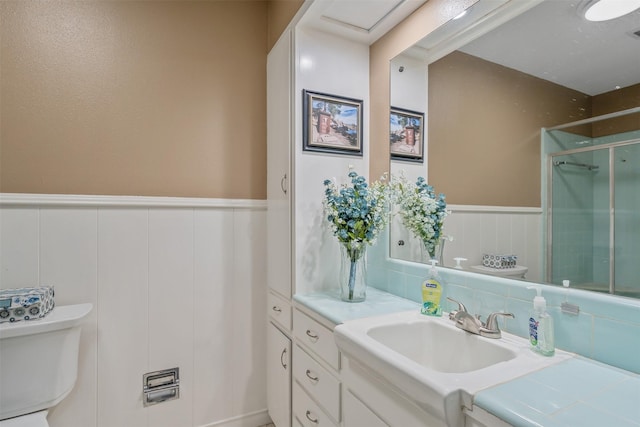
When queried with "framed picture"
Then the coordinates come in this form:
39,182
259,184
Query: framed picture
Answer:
331,124
406,135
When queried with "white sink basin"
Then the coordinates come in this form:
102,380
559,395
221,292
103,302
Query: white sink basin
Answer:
433,363
456,350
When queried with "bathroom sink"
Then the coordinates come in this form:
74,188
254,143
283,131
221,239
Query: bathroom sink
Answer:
441,347
434,364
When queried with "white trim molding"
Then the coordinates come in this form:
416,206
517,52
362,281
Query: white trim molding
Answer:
257,418
21,199
496,209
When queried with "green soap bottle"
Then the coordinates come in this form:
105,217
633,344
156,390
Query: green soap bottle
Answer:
432,292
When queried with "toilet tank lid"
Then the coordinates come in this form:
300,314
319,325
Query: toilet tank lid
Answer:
61,317
37,419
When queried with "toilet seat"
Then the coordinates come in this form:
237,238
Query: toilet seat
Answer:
36,419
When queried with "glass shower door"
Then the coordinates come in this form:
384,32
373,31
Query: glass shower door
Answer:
580,220
595,219
626,175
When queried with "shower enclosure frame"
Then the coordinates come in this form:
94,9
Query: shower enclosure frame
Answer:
549,166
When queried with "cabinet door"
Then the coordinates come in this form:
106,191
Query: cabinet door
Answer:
278,376
356,413
279,81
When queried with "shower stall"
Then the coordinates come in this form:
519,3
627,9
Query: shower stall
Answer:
591,176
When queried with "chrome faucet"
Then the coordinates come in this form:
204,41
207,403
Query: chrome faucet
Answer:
473,324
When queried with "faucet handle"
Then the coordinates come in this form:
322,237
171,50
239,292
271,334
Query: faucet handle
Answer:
492,320
461,308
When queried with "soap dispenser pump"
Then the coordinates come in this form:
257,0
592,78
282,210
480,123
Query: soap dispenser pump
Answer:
541,333
432,292
458,261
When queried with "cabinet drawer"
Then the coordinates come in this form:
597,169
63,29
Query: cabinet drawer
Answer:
317,381
279,310
317,337
307,412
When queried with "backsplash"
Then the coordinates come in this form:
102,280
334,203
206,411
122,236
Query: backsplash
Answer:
606,329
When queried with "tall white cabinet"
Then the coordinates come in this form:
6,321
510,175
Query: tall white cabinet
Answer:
279,188
298,247
304,376
279,213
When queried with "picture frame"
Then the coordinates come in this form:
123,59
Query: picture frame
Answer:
406,135
331,124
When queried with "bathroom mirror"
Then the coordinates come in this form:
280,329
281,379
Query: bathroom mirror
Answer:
486,95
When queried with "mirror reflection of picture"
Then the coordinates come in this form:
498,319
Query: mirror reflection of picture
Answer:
406,135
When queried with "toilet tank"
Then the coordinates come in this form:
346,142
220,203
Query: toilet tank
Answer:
39,360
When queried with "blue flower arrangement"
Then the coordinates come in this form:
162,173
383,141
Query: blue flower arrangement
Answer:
356,213
421,211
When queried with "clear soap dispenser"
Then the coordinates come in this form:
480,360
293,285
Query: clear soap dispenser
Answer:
541,333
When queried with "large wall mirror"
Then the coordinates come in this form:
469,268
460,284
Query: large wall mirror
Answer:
492,86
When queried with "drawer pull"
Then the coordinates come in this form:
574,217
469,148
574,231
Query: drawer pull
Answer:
284,353
276,308
313,420
310,376
312,335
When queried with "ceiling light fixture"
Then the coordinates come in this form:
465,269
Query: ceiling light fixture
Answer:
604,10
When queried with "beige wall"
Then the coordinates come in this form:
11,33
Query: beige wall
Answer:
484,129
279,13
617,100
423,21
134,98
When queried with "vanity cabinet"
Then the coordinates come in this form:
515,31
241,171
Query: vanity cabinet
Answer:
478,417
328,390
317,388
356,413
368,401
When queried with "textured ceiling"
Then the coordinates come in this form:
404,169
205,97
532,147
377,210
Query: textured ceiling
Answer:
554,42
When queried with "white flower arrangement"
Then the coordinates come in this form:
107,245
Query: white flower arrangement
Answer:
421,211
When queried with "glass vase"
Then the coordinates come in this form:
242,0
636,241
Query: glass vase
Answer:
429,251
353,271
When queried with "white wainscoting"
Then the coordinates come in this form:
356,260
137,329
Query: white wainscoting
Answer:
482,229
174,282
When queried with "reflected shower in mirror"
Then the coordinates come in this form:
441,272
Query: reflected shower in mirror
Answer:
486,102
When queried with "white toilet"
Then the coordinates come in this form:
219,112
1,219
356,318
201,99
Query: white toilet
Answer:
38,365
